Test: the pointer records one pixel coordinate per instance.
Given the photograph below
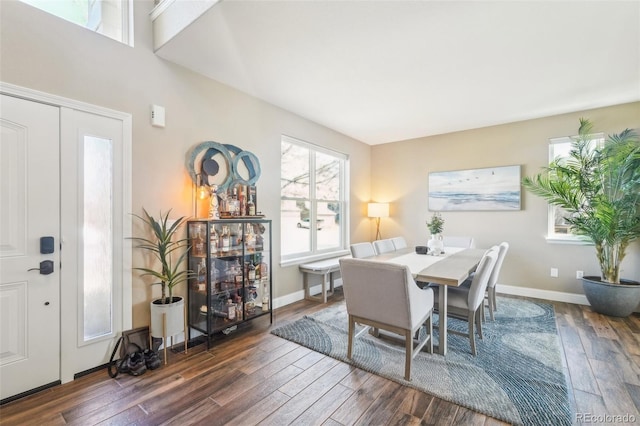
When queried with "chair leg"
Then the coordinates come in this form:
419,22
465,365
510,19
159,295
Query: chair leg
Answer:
479,323
472,339
352,327
408,354
430,330
492,302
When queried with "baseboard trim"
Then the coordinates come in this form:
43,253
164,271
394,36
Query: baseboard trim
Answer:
556,296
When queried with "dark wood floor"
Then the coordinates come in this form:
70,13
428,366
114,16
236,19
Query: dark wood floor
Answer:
252,377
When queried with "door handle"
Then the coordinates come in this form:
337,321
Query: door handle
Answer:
46,267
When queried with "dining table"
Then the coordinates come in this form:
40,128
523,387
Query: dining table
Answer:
449,269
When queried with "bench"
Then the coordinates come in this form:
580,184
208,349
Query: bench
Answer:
326,268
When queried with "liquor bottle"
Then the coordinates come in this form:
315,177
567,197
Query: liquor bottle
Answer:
251,206
251,272
231,310
249,237
202,276
242,202
226,239
265,296
198,243
234,202
213,240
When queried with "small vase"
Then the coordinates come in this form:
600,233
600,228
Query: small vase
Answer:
435,245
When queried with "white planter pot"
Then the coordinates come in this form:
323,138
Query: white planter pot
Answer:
174,316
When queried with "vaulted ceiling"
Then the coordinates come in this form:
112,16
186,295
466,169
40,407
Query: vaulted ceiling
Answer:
384,71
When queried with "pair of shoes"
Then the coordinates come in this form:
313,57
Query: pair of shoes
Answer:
151,359
133,364
137,366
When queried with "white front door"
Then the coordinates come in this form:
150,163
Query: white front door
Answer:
29,270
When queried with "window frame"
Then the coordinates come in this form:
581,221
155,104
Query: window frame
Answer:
554,237
314,253
125,19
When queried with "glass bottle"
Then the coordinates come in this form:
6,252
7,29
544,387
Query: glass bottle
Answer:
235,203
213,241
242,202
198,243
231,310
251,207
202,276
226,239
251,272
265,296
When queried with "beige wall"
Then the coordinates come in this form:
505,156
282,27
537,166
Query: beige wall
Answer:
45,53
400,176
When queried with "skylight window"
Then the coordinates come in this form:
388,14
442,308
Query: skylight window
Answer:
112,18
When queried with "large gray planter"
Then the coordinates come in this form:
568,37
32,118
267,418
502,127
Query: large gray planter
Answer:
616,300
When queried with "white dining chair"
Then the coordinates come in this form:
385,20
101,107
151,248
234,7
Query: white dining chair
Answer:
383,246
399,242
359,250
466,304
458,241
493,280
385,296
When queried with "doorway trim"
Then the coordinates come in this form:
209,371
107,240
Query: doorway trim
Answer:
66,372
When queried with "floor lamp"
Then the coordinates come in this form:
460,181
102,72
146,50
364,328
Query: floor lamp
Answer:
378,210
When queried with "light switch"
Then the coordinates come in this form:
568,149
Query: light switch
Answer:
157,116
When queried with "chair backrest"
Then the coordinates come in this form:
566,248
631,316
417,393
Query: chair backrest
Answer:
481,278
493,279
383,292
359,250
383,246
453,241
399,242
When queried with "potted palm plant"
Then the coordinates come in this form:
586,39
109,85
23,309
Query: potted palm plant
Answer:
169,252
599,188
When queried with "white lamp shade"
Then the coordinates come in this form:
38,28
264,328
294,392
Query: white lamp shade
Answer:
378,210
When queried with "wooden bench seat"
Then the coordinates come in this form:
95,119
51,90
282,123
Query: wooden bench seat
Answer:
327,268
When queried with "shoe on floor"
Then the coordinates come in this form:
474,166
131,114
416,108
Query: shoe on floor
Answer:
136,364
151,359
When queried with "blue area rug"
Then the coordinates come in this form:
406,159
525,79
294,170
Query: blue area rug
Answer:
516,377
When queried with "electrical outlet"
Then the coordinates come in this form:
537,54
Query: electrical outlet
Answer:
554,272
579,274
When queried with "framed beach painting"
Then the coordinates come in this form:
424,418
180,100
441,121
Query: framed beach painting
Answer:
491,188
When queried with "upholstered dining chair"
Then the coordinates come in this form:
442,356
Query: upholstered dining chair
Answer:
359,250
383,246
455,241
467,304
385,296
493,280
399,242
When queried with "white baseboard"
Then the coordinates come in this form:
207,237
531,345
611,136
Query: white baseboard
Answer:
557,296
279,302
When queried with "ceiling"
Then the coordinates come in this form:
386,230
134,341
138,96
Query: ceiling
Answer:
385,71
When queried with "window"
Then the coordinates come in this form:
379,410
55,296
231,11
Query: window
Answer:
558,228
313,210
112,18
97,233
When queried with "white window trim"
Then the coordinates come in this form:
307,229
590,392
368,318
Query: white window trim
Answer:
296,259
557,238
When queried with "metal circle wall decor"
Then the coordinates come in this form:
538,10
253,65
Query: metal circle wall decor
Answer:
231,155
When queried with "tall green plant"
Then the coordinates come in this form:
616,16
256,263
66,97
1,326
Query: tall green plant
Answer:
600,190
162,246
